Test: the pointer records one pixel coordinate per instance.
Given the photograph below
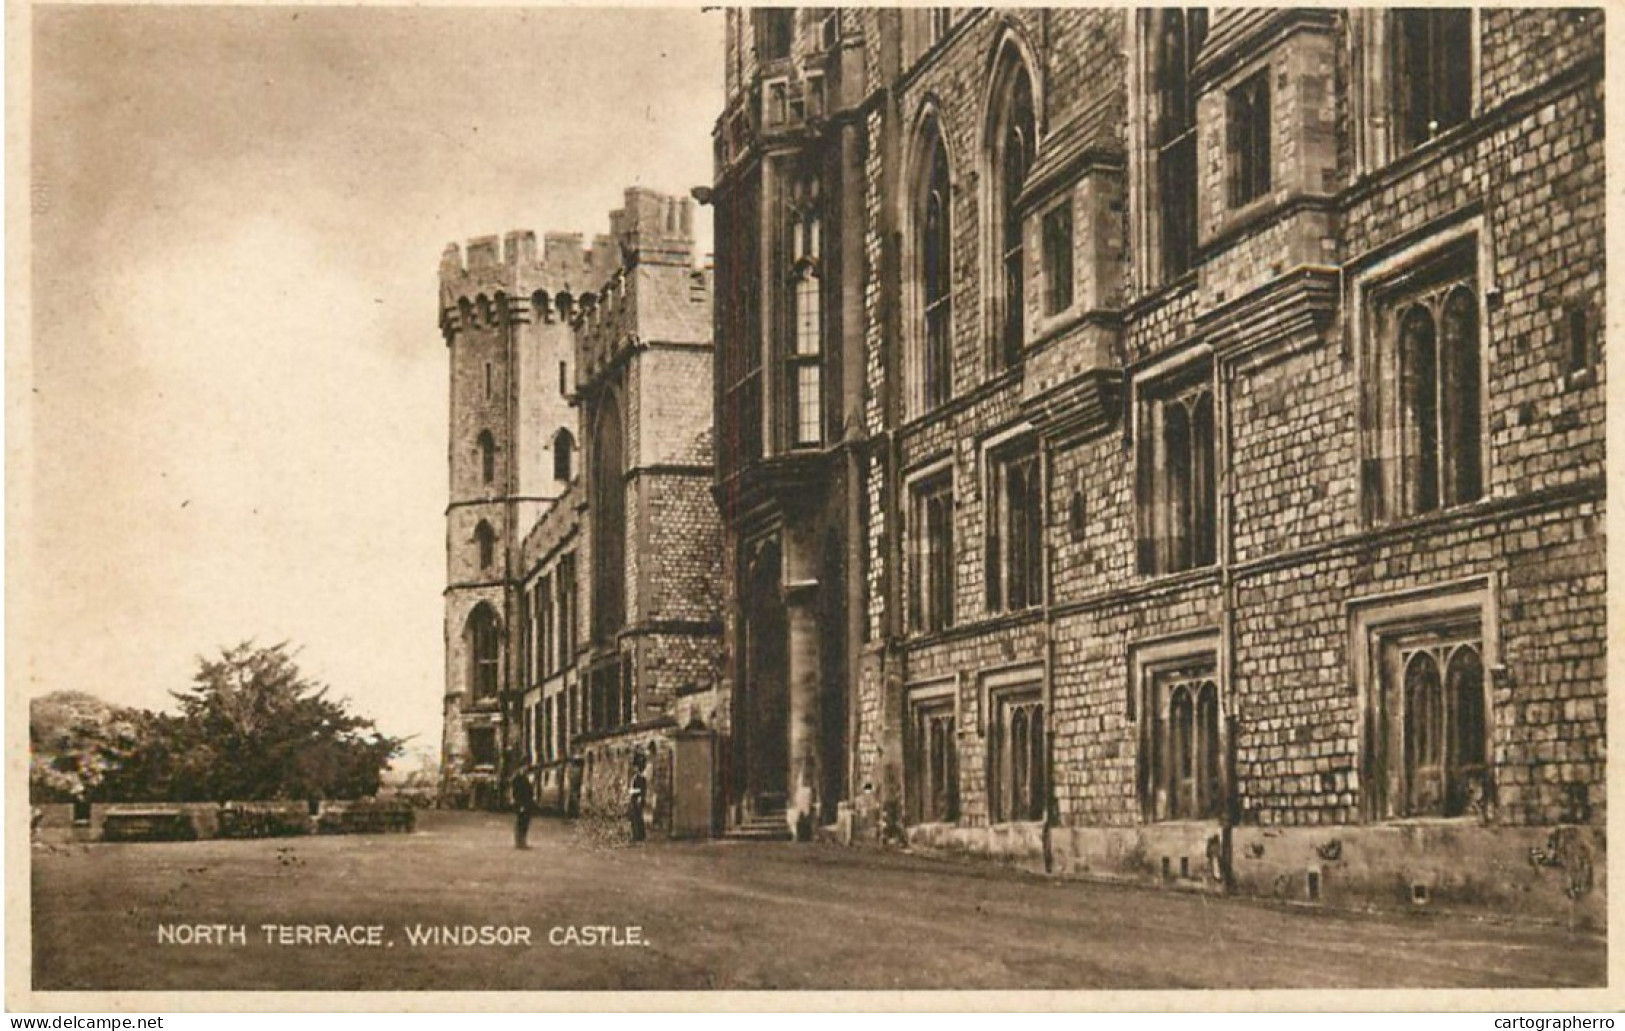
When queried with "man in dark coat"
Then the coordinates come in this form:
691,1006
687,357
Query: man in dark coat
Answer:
524,800
640,789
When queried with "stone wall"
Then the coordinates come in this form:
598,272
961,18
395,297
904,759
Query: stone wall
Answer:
1275,307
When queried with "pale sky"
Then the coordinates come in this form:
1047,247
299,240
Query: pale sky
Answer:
239,389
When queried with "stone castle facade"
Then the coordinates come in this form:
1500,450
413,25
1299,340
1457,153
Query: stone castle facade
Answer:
1159,445
1168,445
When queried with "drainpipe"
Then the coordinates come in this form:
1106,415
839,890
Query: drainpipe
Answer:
1229,812
891,337
1045,468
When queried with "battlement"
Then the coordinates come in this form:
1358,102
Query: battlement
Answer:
642,304
494,278
511,265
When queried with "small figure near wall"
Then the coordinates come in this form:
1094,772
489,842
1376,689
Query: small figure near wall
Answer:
524,800
637,793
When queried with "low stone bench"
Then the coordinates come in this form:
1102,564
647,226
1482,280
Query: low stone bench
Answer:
263,820
366,819
156,824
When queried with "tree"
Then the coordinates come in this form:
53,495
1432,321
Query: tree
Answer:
147,770
72,744
253,727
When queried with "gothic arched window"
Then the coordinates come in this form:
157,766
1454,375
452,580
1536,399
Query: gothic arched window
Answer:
1015,148
936,277
484,651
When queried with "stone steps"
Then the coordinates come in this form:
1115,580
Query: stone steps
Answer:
768,826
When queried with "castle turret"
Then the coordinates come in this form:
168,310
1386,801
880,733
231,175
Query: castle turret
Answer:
512,450
517,320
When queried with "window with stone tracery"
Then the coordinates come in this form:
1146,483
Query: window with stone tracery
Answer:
931,555
1177,458
1431,722
1014,572
1423,431
1183,759
933,764
804,366
1018,781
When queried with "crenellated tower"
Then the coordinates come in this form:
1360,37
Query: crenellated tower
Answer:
512,450
580,423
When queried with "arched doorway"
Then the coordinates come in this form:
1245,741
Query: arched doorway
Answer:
765,682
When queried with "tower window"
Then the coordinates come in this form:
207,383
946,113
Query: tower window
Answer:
776,108
564,446
1421,660
1184,758
484,651
567,609
482,746
488,457
608,485
1581,338
547,640
486,539
933,760
1018,776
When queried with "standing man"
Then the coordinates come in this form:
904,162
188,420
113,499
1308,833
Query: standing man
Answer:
524,800
640,788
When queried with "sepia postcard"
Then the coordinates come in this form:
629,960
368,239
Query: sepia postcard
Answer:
540,507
